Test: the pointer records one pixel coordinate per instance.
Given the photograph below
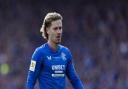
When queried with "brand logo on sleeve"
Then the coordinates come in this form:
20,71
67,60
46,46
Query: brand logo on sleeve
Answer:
32,65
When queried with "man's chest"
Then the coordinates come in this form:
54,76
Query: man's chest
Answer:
55,64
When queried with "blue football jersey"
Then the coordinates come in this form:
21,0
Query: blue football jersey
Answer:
50,69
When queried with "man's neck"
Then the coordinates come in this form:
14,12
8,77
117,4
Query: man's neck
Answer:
53,46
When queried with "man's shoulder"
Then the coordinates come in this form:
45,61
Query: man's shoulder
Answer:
40,48
64,48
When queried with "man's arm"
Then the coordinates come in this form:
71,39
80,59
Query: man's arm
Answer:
34,69
72,75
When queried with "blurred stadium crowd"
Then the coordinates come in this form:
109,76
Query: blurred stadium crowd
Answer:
96,33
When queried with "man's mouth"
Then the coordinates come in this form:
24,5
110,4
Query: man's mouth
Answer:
58,37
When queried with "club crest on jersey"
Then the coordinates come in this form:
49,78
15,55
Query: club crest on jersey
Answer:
49,57
63,55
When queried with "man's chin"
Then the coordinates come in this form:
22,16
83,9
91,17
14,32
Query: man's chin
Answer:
58,42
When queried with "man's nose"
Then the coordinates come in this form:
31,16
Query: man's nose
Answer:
59,31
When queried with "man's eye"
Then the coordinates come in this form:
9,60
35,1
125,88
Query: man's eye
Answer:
56,28
60,27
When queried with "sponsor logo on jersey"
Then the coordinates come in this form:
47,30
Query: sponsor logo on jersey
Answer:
58,70
58,75
58,67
